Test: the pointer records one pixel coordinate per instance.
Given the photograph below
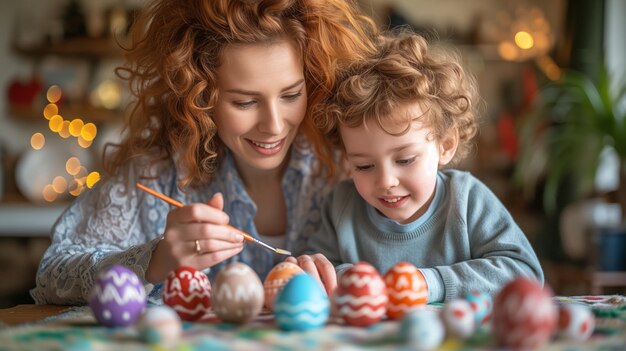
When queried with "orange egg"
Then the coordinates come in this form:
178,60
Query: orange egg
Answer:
406,288
276,280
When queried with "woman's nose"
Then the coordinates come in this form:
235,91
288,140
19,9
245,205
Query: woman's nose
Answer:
271,121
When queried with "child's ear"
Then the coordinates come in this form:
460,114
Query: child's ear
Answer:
447,147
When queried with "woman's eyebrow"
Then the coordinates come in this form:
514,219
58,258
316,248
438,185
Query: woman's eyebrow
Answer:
250,92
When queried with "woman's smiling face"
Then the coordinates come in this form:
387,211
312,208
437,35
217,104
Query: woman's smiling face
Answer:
261,103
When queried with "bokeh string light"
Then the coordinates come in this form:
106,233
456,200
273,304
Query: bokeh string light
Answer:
523,35
85,134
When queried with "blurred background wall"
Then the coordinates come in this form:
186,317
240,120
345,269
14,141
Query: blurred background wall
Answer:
61,103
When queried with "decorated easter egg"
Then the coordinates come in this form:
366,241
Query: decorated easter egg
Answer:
238,293
406,289
188,291
302,304
276,280
421,329
160,324
361,295
576,322
458,318
482,306
524,315
117,297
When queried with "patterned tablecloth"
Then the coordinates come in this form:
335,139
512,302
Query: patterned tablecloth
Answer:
76,329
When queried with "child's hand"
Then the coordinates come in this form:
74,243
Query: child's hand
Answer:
320,268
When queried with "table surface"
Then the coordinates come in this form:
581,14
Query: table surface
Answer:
29,327
29,313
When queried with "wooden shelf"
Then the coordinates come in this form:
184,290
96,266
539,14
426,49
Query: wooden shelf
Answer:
78,47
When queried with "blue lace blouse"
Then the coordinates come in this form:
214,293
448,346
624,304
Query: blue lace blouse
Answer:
116,223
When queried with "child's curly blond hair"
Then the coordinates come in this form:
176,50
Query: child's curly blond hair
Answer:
404,70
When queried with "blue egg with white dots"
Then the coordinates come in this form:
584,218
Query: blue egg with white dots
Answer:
302,304
482,306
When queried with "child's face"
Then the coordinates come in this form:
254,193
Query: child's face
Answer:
396,174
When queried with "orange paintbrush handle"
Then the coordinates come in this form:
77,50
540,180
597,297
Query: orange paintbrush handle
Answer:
173,202
246,236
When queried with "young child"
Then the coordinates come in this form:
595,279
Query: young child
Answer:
401,117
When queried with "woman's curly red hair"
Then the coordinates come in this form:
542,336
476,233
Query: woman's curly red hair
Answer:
174,53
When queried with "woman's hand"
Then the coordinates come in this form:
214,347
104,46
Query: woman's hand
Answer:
320,268
196,236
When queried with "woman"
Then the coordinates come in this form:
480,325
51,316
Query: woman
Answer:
221,123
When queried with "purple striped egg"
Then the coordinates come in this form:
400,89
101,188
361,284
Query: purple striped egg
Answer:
117,297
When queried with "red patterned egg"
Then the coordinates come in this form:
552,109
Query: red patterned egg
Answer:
188,292
238,293
276,280
361,295
406,289
524,315
576,322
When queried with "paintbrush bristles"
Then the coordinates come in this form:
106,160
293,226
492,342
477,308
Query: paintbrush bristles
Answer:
283,252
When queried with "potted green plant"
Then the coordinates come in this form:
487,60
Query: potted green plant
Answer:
575,119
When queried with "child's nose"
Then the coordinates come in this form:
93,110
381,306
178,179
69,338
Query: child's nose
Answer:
387,179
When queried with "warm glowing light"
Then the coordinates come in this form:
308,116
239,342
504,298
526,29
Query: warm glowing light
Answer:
65,130
50,110
72,166
92,179
75,188
54,93
542,41
82,173
524,40
55,123
76,126
37,141
507,51
108,94
84,143
549,67
59,184
48,193
89,131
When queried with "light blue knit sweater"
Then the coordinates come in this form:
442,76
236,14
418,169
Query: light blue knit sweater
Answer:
466,241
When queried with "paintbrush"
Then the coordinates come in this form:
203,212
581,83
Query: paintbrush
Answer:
246,236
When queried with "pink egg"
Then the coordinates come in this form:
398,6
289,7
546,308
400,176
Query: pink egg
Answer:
406,289
524,315
188,292
276,280
576,322
458,317
238,293
361,296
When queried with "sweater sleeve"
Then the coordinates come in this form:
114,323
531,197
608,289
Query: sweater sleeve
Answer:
109,224
499,250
